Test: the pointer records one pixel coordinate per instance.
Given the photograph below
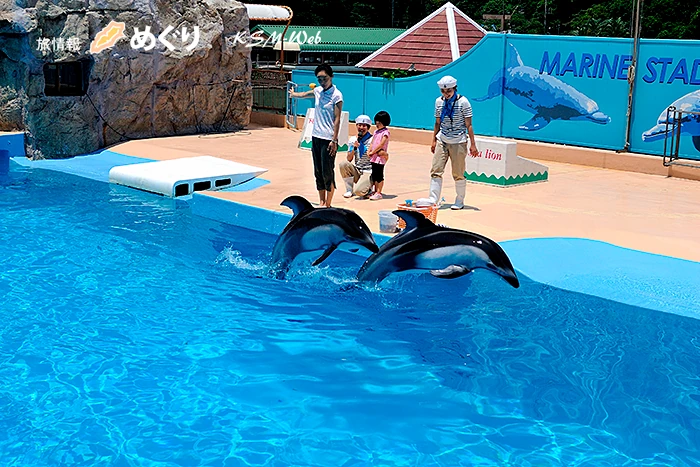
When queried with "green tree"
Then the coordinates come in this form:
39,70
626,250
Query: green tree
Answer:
668,19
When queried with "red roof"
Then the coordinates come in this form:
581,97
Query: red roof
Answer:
428,45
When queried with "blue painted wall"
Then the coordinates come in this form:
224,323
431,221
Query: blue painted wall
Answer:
571,90
669,71
13,143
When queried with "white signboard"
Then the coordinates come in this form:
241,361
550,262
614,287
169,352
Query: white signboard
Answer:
305,141
499,164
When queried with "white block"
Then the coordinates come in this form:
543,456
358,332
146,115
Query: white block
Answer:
499,164
179,177
305,140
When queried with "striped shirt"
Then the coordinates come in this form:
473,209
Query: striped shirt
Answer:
454,130
362,163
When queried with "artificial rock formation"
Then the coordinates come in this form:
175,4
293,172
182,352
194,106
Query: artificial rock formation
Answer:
132,92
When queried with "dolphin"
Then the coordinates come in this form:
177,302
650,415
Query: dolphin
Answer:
690,123
317,229
446,253
546,96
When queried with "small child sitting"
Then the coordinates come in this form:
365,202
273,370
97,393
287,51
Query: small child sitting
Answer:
378,152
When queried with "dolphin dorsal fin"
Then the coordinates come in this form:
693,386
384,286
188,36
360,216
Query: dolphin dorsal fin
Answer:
297,204
513,57
413,220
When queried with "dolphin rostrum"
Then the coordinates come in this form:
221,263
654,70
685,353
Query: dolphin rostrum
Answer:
446,253
545,96
689,122
317,229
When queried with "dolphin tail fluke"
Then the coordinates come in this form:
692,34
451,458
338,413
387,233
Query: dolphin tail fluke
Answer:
325,255
451,272
483,98
696,142
535,123
297,204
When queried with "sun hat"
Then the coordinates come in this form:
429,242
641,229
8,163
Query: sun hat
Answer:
363,119
447,82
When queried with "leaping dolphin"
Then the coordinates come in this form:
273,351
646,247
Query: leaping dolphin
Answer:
446,253
544,95
317,229
690,123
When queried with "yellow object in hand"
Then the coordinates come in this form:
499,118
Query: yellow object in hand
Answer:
312,85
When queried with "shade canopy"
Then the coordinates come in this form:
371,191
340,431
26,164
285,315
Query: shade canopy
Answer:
268,12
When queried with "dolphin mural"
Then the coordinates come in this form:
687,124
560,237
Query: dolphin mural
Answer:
690,123
446,253
543,95
317,229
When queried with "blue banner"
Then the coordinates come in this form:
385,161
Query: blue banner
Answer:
558,89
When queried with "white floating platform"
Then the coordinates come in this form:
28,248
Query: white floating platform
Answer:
181,177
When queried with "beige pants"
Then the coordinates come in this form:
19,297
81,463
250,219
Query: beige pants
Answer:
457,153
362,180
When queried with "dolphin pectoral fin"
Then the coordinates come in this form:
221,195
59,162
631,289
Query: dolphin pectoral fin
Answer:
325,255
297,204
535,123
451,272
696,142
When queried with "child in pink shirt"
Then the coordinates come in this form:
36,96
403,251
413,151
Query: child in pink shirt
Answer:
378,152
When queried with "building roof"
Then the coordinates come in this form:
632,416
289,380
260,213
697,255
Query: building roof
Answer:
333,39
440,38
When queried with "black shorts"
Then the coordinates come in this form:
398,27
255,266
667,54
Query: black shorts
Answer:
377,172
324,164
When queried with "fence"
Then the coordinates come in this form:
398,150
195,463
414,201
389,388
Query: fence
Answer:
269,90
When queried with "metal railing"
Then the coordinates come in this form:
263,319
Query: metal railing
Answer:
291,110
675,118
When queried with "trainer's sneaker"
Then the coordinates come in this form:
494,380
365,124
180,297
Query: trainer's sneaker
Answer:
457,206
348,194
376,196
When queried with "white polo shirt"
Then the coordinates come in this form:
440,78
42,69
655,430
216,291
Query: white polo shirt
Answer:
324,115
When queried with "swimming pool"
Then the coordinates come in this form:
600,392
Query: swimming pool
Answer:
135,333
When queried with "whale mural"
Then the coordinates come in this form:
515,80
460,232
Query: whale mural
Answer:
690,123
543,95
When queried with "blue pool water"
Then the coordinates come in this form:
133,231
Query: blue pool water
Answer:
135,333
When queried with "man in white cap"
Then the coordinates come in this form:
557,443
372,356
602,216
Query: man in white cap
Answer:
453,129
357,176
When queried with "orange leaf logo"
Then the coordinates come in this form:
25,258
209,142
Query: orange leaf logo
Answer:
106,38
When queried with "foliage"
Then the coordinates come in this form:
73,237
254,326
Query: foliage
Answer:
393,74
677,19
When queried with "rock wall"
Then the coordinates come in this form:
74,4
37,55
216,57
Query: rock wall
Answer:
132,92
